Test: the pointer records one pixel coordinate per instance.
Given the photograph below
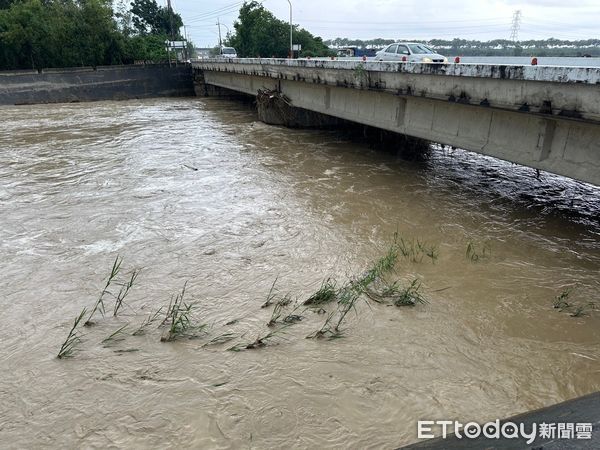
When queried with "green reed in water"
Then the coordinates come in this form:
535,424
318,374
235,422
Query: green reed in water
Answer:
561,301
278,310
179,319
476,252
73,338
221,339
99,306
271,295
349,294
408,296
415,250
152,318
117,336
125,288
260,341
326,293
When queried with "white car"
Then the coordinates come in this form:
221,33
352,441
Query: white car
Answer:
409,52
228,52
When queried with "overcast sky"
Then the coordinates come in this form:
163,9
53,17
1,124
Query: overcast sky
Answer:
406,19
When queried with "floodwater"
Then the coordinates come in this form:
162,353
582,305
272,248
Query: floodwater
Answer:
83,183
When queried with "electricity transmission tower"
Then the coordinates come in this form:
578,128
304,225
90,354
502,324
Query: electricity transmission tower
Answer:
516,26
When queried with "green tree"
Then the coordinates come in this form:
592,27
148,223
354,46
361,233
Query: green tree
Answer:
147,48
35,34
259,33
23,35
5,4
124,18
149,18
144,14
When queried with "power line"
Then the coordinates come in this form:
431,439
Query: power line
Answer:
215,13
429,30
404,22
560,35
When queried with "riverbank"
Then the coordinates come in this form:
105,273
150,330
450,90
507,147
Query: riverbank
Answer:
86,84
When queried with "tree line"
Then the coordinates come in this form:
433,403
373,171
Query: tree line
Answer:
257,32
496,47
35,34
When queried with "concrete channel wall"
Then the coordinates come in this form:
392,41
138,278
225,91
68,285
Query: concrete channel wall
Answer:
547,118
91,84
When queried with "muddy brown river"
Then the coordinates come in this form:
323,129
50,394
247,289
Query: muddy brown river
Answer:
199,191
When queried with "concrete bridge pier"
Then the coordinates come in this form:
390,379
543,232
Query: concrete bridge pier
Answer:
275,108
272,106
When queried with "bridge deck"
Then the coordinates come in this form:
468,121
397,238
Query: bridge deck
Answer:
554,74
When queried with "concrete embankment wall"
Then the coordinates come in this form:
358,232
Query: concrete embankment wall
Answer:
91,84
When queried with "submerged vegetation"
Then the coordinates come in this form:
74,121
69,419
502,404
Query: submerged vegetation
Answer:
259,342
117,336
68,346
152,318
178,318
477,252
271,294
349,294
416,250
333,300
396,294
324,294
563,303
99,306
410,295
125,288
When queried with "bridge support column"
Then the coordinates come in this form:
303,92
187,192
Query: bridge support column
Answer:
275,108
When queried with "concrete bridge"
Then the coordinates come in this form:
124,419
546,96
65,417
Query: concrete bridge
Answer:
540,116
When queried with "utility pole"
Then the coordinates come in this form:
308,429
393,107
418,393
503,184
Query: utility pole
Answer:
185,40
291,31
220,42
171,34
516,26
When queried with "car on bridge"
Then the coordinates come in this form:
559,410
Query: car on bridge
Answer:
409,52
228,52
